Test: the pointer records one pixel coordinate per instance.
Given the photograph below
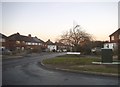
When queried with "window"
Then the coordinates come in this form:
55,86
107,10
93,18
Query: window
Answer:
23,41
22,48
28,43
17,48
0,39
3,40
17,42
112,37
35,43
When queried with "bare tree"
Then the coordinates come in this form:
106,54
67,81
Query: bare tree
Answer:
75,37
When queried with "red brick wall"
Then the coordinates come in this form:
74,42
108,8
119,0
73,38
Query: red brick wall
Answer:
116,37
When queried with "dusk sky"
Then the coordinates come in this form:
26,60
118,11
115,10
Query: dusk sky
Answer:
48,20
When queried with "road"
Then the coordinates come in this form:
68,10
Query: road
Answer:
27,71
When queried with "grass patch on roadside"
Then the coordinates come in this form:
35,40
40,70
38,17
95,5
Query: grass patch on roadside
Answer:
80,63
70,60
96,68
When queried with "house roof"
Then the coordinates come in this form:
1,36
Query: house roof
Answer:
49,42
59,44
2,36
42,41
19,37
37,40
115,32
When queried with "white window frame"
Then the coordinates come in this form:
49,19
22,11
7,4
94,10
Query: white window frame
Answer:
35,43
28,43
112,37
39,43
23,41
1,40
18,42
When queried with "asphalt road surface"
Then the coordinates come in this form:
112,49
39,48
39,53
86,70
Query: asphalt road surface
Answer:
27,71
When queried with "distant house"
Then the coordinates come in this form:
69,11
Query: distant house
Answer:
21,42
51,46
39,43
61,47
114,39
2,41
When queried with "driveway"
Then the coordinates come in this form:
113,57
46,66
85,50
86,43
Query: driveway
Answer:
27,71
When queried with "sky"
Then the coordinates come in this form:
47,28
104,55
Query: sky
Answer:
48,20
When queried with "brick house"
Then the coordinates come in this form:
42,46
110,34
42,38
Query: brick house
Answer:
115,37
61,47
2,41
114,40
51,46
21,42
57,46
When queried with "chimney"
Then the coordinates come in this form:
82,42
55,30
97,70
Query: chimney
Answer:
18,33
29,35
48,39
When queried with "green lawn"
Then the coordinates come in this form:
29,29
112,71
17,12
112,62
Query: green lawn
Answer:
79,63
70,60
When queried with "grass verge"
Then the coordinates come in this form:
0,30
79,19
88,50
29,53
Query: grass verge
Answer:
79,63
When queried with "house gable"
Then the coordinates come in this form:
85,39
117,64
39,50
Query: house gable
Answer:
115,37
2,41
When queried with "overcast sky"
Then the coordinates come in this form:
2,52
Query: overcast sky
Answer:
48,20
